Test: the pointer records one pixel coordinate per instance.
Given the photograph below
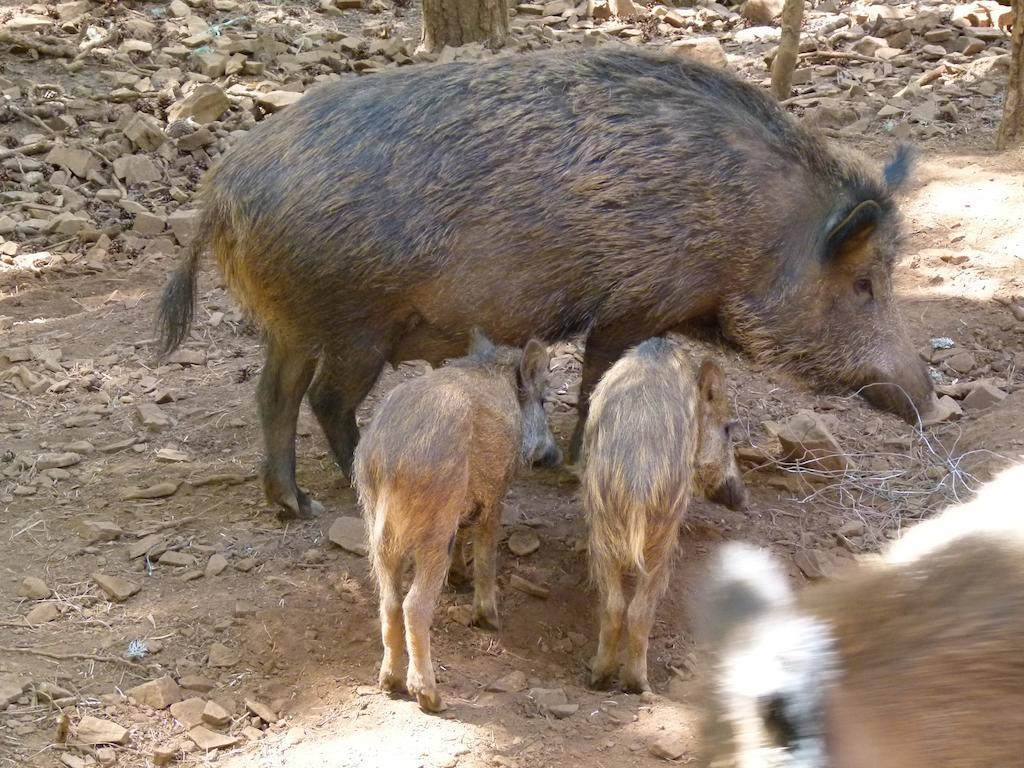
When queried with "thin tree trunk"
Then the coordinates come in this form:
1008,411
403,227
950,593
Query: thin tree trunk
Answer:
1011,129
789,47
457,22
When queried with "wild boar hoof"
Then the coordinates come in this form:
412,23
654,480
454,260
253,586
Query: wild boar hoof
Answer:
632,684
487,619
390,682
430,701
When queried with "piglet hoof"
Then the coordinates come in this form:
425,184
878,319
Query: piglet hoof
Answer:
391,683
430,701
632,684
486,618
600,681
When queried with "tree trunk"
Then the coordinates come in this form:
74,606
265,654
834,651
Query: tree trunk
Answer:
1011,130
789,47
457,22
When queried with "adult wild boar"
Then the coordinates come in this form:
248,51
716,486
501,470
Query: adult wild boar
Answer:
621,193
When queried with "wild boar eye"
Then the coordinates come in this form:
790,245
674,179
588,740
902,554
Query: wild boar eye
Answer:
862,285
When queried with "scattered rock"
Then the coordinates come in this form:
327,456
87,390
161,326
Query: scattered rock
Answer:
136,169
806,441
562,711
214,714
166,753
523,585
276,100
55,460
523,543
204,105
349,533
222,656
35,589
43,614
92,731
97,530
158,491
216,564
761,11
207,739
152,545
552,701
152,416
513,682
80,162
156,694
815,563
11,689
178,559
251,733
461,614
962,361
144,132
189,712
945,409
706,50
669,746
262,711
983,395
116,588
196,683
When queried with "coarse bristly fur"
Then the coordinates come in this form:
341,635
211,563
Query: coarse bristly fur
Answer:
914,660
438,456
657,432
621,193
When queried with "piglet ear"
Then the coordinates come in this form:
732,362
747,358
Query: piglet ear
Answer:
480,345
711,381
746,584
898,169
533,368
848,237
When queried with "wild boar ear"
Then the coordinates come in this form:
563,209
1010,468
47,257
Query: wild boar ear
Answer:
711,382
898,169
533,368
479,344
849,235
746,584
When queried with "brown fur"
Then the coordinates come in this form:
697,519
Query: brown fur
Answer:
927,652
439,454
656,432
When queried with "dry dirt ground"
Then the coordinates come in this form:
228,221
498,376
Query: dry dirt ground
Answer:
103,451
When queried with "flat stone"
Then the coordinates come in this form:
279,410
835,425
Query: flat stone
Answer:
43,614
962,362
252,734
137,169
35,589
54,460
707,50
158,491
145,132
166,753
668,746
11,689
815,563
349,533
216,564
150,545
196,683
152,416
945,409
92,731
523,543
116,588
983,395
157,694
214,714
806,441
222,656
207,739
262,711
562,711
275,101
513,682
204,105
97,530
188,357
79,161
189,712
517,582
179,559
546,698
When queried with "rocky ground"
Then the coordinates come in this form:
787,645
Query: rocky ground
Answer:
154,610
